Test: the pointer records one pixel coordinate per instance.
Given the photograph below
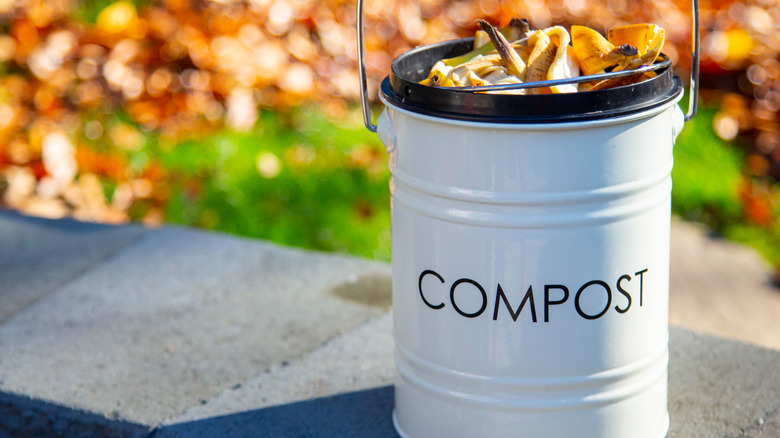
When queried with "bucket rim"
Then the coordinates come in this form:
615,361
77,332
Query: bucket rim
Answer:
532,125
402,87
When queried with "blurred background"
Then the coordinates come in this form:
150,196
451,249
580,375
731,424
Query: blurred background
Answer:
243,116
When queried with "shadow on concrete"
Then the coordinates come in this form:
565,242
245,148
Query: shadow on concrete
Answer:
364,414
25,417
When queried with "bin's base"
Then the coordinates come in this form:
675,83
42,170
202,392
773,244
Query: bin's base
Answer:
397,427
401,433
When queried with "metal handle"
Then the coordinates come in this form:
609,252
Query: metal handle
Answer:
693,88
362,61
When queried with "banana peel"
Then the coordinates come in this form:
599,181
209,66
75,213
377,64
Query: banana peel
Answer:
515,31
644,36
547,54
476,72
648,39
513,62
550,59
595,53
540,60
480,39
439,76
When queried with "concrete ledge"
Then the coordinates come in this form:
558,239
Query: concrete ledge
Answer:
360,359
37,256
722,288
717,388
181,333
175,318
720,387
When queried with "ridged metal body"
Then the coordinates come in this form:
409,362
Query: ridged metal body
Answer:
530,274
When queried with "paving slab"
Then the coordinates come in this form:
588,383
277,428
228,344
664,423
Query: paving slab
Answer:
718,387
177,317
176,332
37,256
721,387
722,288
358,360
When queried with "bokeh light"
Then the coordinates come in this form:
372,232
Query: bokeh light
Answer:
82,90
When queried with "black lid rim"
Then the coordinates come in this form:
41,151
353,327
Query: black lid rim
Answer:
402,88
594,114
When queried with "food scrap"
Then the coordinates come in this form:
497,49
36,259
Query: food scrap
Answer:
517,54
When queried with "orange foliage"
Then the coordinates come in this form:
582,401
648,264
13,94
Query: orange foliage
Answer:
183,67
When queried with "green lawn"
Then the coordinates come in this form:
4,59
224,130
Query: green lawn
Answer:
300,179
707,173
303,180
297,179
707,176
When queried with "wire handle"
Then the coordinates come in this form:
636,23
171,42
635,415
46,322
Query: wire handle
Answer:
693,88
663,64
362,61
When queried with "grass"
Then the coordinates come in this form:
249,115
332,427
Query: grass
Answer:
707,174
296,179
707,178
300,179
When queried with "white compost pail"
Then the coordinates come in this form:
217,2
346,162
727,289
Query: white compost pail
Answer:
530,258
530,275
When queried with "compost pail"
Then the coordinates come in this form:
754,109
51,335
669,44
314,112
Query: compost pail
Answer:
530,255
